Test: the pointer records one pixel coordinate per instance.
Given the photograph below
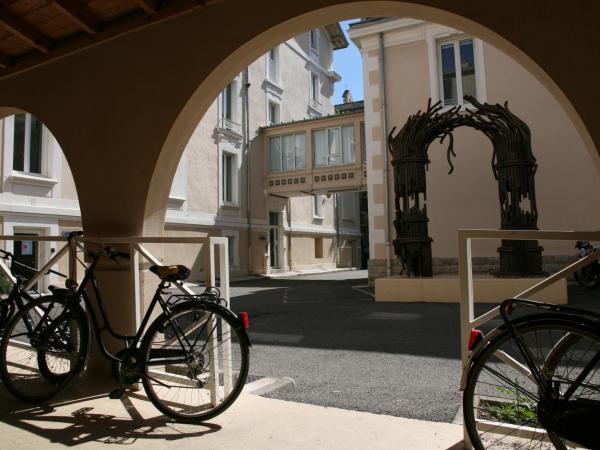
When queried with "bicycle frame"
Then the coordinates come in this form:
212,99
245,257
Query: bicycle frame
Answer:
129,340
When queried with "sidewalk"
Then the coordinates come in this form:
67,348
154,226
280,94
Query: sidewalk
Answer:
253,422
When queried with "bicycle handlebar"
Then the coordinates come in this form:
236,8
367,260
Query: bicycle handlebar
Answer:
72,234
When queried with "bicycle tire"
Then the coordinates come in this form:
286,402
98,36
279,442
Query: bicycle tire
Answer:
36,363
171,382
499,402
5,308
589,276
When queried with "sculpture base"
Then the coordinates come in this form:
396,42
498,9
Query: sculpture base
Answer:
446,289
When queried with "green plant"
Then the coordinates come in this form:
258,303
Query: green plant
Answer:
5,284
520,410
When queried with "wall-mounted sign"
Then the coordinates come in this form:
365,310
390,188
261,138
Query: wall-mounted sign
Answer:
27,248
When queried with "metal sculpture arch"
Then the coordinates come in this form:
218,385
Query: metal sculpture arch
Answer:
513,166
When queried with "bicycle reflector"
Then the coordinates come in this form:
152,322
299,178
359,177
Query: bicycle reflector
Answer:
474,339
244,319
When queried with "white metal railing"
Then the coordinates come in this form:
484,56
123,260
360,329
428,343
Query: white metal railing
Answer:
315,104
137,249
468,320
230,125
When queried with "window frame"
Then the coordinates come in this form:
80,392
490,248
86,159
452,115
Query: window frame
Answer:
234,200
231,124
280,138
314,49
348,206
273,66
341,149
277,106
319,215
233,246
10,124
315,90
437,35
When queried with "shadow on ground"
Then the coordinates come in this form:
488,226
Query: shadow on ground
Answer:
71,420
331,314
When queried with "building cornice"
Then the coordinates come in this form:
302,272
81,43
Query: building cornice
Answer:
357,34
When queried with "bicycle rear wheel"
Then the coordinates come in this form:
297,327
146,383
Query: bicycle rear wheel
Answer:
195,361
501,408
44,346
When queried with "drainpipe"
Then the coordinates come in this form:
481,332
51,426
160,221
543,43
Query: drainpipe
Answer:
337,228
288,208
386,173
219,160
246,144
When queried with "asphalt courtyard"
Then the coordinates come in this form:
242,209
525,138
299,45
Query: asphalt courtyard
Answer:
344,350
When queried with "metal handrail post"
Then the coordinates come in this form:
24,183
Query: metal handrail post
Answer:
227,359
467,312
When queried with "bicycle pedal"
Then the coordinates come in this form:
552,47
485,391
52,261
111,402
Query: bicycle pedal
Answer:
117,393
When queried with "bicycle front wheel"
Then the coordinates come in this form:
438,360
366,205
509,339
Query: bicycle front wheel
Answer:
501,408
44,346
195,361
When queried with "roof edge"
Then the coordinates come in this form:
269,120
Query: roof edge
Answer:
337,36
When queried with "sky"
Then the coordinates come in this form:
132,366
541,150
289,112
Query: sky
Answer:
348,64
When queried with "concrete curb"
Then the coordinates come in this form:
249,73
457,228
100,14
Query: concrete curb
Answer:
269,385
309,272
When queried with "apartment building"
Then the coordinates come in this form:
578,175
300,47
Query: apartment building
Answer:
424,60
218,189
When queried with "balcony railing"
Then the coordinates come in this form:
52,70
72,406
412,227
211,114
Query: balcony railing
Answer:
230,125
315,104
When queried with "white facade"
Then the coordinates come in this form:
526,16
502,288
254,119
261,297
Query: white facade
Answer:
218,183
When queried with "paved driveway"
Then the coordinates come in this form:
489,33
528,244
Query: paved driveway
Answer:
345,350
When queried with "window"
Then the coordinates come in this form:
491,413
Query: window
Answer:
456,60
273,113
318,206
229,181
314,90
287,152
233,242
227,102
231,249
333,146
363,143
27,144
273,65
314,41
318,248
347,202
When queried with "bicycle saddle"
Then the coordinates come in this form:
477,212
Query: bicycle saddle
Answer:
171,273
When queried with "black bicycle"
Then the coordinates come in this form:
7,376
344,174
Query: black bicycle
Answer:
192,359
588,276
534,382
18,297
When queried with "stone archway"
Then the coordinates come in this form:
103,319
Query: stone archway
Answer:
431,11
124,109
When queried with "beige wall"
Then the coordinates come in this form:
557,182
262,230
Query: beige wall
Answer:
566,181
303,251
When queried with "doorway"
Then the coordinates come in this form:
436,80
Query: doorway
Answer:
275,239
26,255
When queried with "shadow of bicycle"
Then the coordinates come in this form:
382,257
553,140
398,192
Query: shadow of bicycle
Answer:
77,419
